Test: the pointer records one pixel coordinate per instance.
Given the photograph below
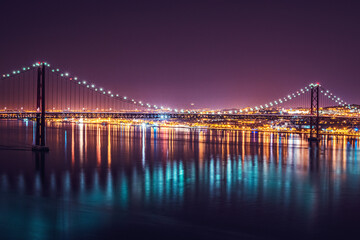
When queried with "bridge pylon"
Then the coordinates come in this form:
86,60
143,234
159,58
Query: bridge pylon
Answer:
40,111
314,112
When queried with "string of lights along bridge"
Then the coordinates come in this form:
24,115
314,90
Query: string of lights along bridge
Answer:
67,93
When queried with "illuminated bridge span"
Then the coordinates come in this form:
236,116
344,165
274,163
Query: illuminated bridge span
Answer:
64,93
172,116
42,91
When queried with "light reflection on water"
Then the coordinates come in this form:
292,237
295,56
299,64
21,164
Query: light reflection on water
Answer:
116,179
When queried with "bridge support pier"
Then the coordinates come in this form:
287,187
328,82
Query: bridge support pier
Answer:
314,110
40,112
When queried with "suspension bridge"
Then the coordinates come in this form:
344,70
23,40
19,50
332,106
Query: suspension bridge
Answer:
41,91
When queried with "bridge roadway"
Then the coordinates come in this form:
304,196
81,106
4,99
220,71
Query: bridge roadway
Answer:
173,116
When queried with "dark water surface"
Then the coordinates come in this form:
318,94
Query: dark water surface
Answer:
134,182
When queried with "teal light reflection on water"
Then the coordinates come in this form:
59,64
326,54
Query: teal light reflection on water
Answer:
203,177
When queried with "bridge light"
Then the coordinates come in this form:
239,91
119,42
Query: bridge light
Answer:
124,97
109,92
57,70
84,82
75,78
66,74
117,95
101,89
92,85
62,75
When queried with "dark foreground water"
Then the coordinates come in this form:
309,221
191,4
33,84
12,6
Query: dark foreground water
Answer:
134,182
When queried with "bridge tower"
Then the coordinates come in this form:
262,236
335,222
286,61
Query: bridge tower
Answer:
40,111
314,110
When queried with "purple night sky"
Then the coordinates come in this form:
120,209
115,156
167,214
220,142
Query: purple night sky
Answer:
173,53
